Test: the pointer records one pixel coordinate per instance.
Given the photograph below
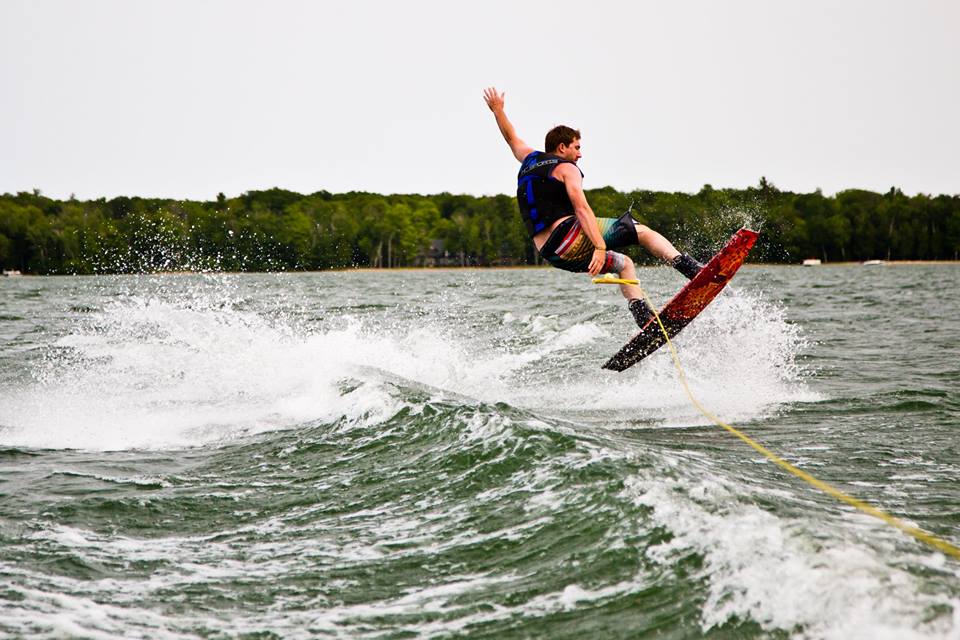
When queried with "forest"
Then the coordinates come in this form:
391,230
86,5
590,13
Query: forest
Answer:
279,230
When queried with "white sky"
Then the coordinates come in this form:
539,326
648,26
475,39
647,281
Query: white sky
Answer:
184,99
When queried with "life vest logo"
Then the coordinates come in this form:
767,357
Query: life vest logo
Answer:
537,165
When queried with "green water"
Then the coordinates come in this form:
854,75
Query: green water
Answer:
438,454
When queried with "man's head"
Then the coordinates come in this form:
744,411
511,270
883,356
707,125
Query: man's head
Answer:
564,142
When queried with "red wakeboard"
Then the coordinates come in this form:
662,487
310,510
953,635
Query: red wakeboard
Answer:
690,301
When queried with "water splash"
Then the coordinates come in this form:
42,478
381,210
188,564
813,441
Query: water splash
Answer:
161,369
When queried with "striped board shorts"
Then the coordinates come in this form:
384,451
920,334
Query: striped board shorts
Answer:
569,248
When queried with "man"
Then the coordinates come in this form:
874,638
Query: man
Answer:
561,223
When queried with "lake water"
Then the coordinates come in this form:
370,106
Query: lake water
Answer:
438,454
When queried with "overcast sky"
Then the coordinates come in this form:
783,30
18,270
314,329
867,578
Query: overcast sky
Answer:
186,99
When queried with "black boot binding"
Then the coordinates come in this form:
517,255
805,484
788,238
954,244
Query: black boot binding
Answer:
686,265
642,313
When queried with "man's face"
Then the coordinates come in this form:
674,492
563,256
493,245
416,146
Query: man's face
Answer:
570,151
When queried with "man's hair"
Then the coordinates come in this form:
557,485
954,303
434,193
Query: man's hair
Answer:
561,134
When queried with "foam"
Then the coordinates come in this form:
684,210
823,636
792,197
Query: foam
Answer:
156,374
152,371
781,575
738,357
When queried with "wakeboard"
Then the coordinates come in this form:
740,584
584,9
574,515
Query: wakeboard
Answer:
688,303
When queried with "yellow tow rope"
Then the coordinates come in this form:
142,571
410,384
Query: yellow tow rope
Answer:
916,532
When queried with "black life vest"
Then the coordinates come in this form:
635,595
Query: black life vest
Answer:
542,199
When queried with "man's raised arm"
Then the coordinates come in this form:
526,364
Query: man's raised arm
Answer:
495,101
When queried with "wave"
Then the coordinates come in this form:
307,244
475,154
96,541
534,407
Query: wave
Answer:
179,371
452,516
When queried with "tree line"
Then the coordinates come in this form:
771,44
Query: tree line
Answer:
276,230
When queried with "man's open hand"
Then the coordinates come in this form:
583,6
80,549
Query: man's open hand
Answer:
494,99
597,261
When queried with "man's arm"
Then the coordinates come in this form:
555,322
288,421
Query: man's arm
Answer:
573,181
495,101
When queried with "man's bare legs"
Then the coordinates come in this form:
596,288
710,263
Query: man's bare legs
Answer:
660,247
641,311
629,272
655,244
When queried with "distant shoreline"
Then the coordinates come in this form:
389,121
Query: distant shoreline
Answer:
885,263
